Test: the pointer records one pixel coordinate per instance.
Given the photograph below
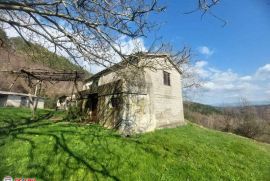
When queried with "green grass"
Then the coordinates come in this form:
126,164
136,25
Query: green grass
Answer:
68,151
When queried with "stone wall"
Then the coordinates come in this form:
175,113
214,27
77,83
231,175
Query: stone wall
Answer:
146,103
166,101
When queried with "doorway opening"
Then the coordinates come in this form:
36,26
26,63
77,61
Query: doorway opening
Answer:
92,105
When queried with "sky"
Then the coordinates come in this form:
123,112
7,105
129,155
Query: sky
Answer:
232,61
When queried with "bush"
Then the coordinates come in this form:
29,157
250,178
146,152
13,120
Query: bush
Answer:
50,103
75,112
250,128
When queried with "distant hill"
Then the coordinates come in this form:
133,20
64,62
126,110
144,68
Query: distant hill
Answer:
16,54
202,108
250,121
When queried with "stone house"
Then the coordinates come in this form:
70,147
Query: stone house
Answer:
138,95
15,99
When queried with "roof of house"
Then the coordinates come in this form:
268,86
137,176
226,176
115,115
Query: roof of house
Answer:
17,94
120,64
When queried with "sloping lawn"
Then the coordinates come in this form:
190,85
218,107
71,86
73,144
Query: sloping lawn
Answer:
46,150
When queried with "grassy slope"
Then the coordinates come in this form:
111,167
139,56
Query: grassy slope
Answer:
62,151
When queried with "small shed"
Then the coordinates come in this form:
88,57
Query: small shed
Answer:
15,99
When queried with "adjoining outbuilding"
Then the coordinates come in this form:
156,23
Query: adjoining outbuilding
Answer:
138,95
64,102
15,99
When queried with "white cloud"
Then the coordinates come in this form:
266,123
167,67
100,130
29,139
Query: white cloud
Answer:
200,70
201,64
205,50
11,32
126,46
265,68
263,73
228,87
246,78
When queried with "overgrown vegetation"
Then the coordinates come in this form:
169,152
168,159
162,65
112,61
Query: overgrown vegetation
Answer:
46,150
50,103
75,113
245,120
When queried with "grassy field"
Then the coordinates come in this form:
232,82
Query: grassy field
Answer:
46,150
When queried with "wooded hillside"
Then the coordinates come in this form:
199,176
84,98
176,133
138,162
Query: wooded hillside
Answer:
16,54
246,120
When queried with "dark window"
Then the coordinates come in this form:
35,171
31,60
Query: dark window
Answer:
166,78
116,102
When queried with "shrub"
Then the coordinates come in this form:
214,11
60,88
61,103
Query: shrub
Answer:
50,103
75,112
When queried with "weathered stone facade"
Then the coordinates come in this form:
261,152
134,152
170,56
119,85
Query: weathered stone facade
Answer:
135,98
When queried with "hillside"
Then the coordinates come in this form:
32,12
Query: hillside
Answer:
250,120
16,54
263,111
45,150
202,108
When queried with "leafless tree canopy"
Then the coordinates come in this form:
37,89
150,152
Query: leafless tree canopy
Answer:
82,29
205,6
89,30
182,59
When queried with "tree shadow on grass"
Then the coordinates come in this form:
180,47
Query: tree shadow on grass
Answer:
68,151
11,124
59,150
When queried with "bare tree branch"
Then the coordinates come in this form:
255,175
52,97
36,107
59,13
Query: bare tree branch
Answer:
86,30
205,7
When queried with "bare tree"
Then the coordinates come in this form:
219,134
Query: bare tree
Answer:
90,30
251,125
181,58
83,29
183,61
206,6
